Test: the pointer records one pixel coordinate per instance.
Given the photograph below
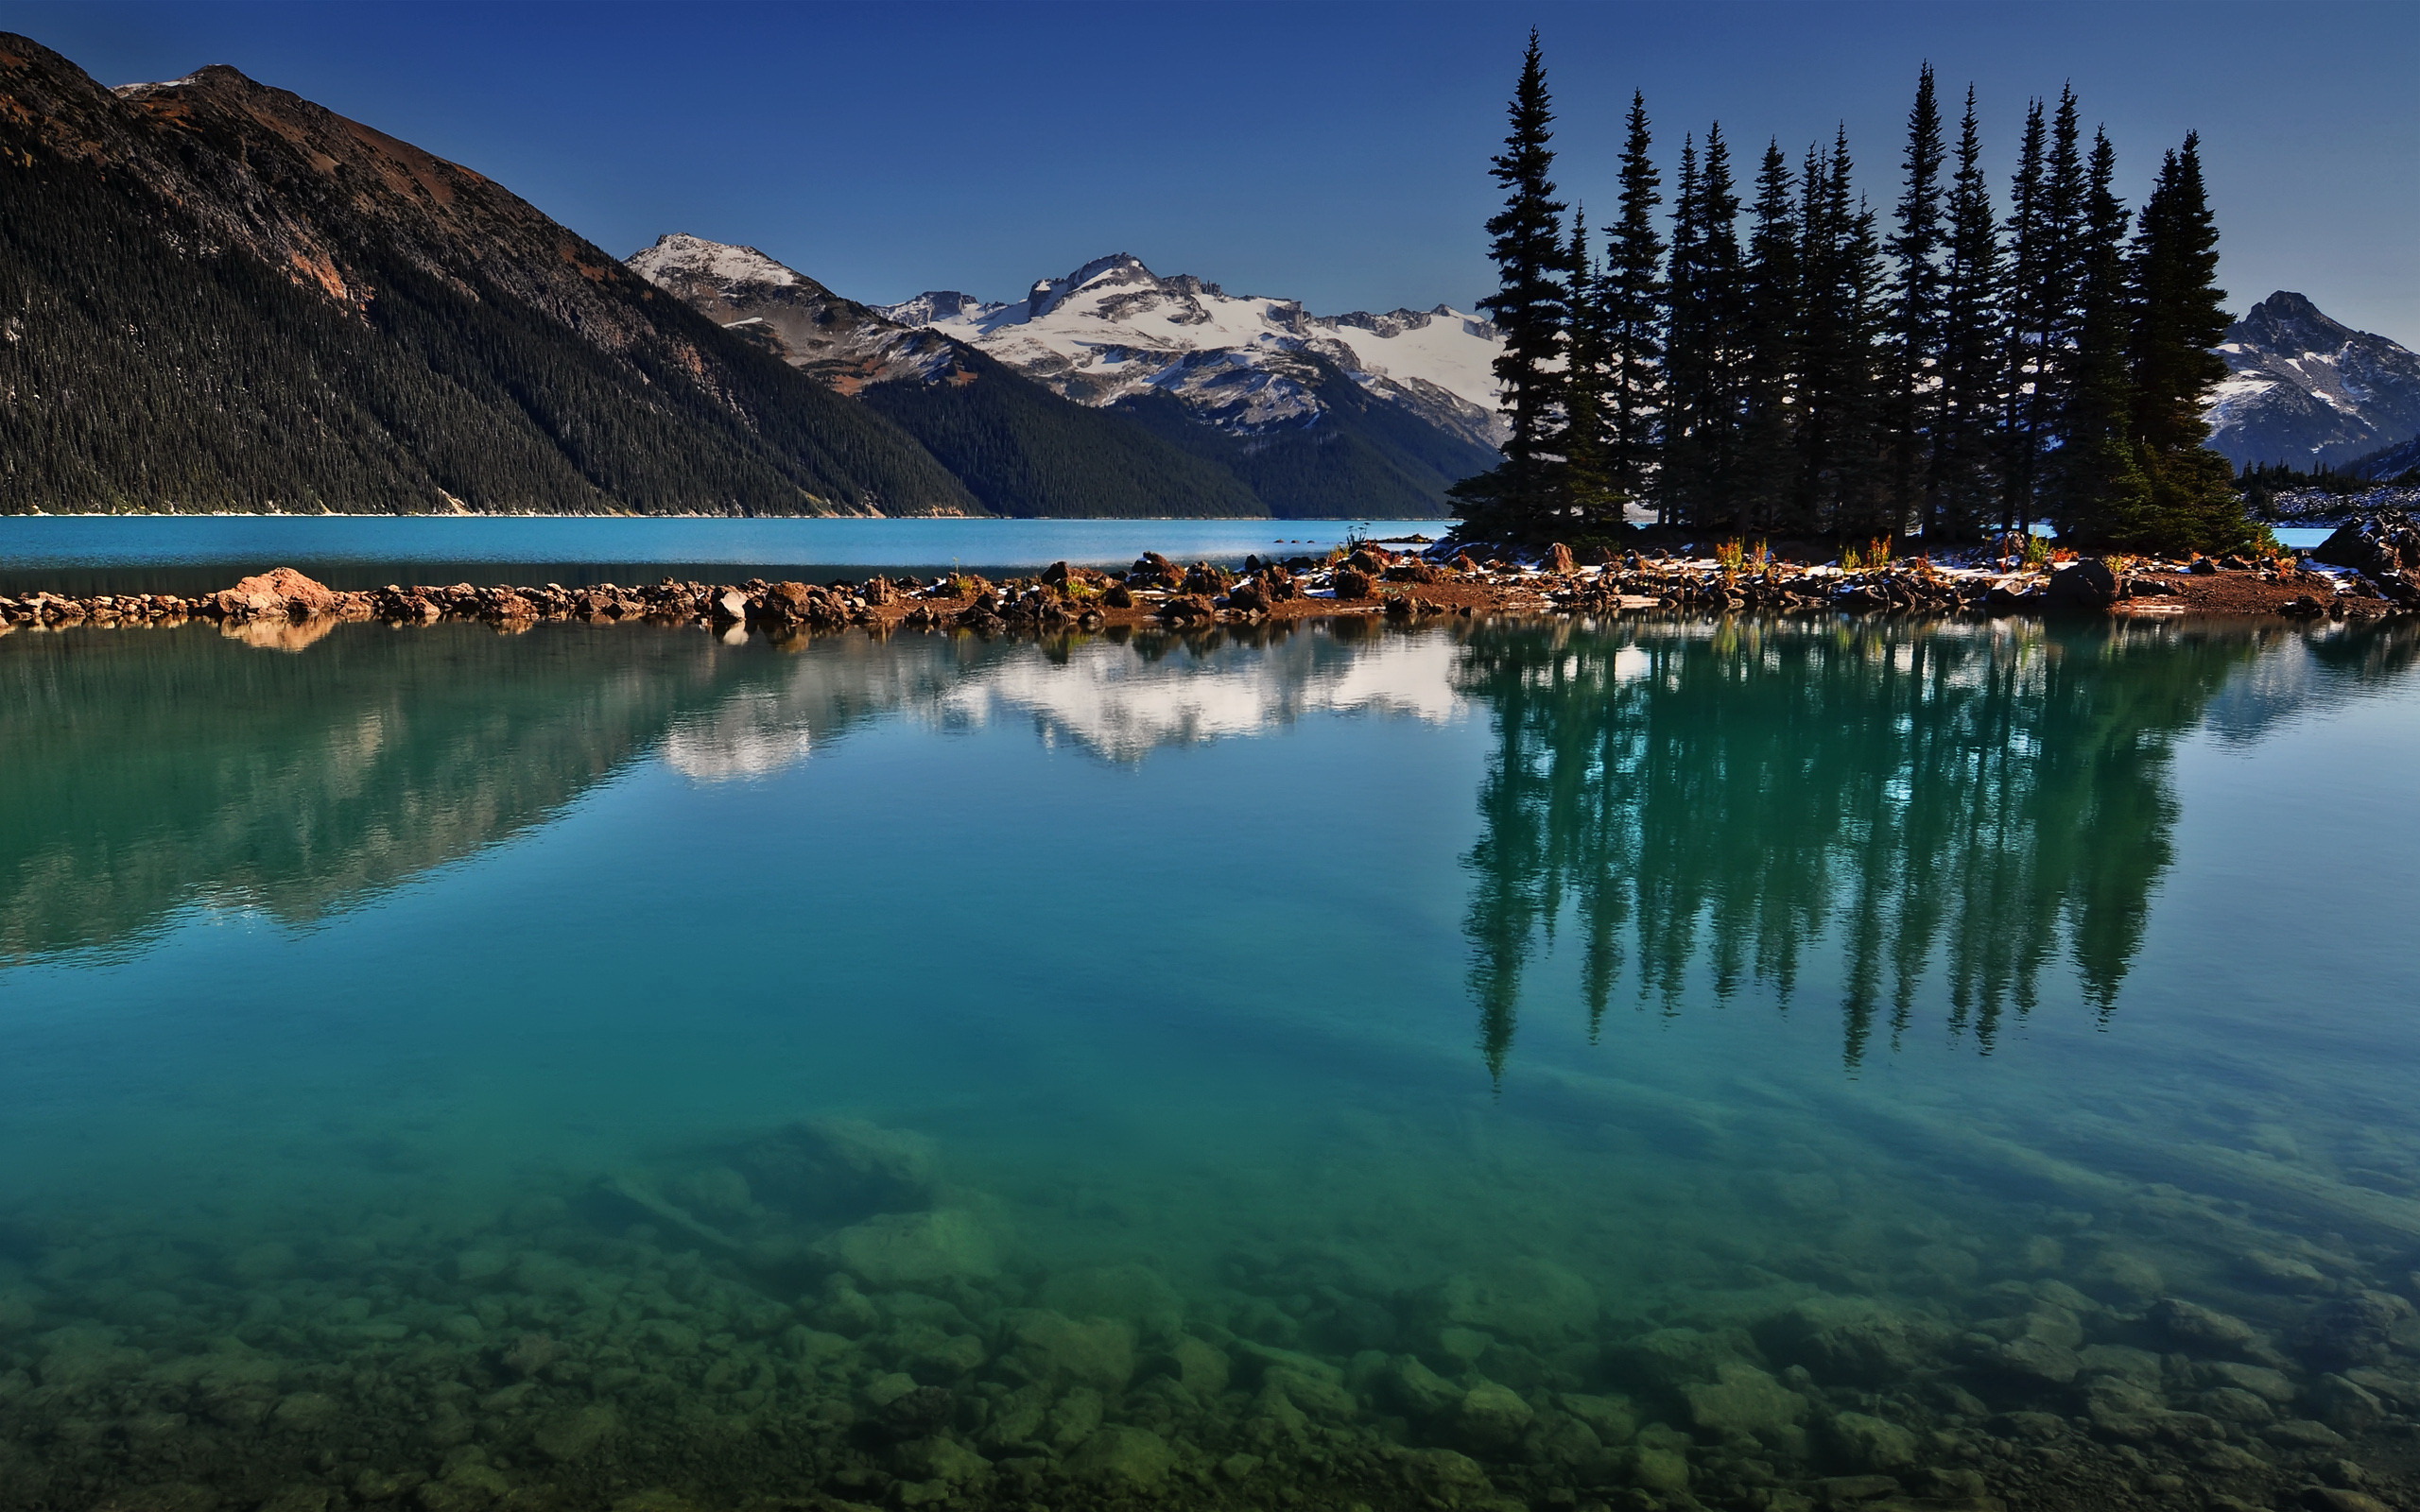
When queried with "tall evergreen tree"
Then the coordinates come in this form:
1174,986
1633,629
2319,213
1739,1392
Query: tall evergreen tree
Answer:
1579,488
1701,432
1912,404
2096,477
1684,338
2022,319
1964,485
1631,299
1842,289
1530,308
2044,308
1770,338
2179,314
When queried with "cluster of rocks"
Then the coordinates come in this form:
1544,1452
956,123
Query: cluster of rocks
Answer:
818,1310
2384,547
2381,550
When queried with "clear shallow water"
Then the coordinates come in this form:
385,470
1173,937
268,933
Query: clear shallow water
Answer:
1524,1065
160,554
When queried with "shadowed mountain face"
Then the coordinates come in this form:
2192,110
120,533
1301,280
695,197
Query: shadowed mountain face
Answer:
2310,391
286,308
1945,811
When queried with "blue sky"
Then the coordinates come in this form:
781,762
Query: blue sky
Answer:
1335,152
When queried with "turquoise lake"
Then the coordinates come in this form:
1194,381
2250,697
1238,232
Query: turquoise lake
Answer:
1766,1064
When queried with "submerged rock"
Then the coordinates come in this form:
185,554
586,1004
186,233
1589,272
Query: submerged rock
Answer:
1533,1302
912,1249
1743,1400
1870,1443
1491,1417
2199,1328
1048,1346
1844,1339
839,1169
1130,1292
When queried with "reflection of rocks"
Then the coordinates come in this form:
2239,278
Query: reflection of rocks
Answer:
277,633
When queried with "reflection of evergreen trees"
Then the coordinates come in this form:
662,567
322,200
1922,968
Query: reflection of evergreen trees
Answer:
1963,801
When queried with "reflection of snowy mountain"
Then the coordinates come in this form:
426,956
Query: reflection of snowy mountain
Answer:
1119,705
2309,673
1118,701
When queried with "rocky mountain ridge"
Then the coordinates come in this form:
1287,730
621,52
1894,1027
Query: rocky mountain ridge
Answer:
2310,391
1113,330
1255,389
846,344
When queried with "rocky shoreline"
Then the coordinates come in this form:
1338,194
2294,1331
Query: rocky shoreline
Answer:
2377,558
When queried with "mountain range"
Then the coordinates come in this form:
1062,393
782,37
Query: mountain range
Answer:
2308,392
216,294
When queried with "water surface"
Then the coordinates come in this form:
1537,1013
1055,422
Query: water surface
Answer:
1516,1065
190,554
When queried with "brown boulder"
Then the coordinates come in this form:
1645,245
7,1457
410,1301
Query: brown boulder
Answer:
1119,596
1353,583
1558,560
279,592
1189,609
1249,596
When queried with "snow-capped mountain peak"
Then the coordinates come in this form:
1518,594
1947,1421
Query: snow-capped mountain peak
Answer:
1114,330
787,313
2308,391
679,254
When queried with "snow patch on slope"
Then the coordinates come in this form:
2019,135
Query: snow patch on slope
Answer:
1114,330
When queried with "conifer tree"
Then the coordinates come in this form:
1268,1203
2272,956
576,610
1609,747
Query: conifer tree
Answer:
2044,311
1701,429
1579,488
1683,335
1631,301
2095,478
1770,338
1912,404
2027,248
1964,487
1840,478
2179,314
1530,308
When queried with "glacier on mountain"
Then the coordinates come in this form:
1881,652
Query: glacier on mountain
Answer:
1114,330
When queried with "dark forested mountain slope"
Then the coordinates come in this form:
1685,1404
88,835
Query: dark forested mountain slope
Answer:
217,294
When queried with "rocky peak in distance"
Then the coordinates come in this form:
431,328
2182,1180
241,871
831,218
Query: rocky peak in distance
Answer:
2310,391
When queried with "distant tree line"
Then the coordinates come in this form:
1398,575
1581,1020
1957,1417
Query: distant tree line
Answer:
1780,357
